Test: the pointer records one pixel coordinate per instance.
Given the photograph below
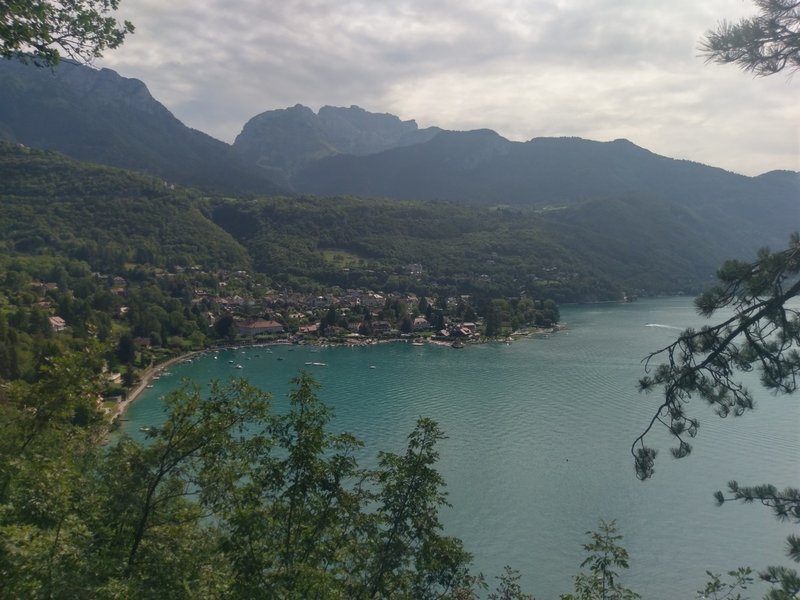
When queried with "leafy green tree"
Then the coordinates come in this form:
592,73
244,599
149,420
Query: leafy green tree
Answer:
330,317
132,525
224,499
422,305
129,376
126,349
762,334
764,44
409,558
294,515
716,589
42,29
198,439
437,319
605,555
492,320
225,327
550,312
292,520
469,315
48,432
509,588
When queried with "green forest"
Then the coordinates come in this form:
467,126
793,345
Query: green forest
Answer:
111,219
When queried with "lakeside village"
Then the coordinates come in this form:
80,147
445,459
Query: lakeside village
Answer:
148,319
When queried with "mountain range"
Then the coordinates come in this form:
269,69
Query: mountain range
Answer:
614,205
99,116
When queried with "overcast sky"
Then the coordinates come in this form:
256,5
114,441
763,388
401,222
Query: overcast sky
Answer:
598,69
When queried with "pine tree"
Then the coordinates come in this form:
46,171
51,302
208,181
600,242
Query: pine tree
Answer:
765,44
762,334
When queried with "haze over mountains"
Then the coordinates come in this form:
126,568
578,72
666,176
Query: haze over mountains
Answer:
284,142
629,209
349,151
101,117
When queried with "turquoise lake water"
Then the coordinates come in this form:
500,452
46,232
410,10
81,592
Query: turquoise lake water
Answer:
539,433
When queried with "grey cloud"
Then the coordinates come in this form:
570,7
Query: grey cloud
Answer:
524,68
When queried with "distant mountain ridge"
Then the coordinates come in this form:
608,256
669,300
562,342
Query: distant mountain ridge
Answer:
102,117
481,167
632,200
349,151
99,116
284,141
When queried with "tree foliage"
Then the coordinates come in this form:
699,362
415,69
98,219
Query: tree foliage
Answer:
226,499
764,44
717,589
605,555
509,587
40,30
762,334
105,216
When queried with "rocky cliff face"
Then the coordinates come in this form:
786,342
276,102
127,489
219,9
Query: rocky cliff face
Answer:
108,86
284,141
356,131
280,142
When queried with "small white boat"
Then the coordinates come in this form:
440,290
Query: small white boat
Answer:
239,367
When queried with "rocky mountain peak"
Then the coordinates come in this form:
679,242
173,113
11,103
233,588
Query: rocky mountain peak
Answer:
283,141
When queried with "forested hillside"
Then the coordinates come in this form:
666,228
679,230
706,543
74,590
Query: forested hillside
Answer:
586,252
105,216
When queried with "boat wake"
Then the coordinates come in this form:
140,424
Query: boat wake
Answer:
660,326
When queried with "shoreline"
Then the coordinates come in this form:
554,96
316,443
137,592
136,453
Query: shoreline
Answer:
117,414
119,410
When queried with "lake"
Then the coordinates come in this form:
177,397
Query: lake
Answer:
539,433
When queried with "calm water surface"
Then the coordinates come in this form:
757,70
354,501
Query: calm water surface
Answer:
538,443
